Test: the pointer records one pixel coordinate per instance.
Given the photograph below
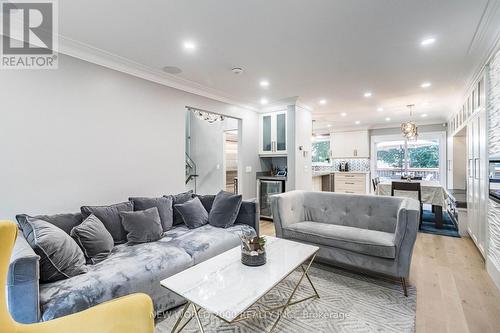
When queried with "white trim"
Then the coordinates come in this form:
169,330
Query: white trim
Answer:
103,58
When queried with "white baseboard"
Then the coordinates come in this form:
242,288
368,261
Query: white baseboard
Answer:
494,272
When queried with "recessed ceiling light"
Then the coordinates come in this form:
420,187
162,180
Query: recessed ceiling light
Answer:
189,45
264,101
343,114
357,122
380,109
426,85
368,94
424,115
387,119
428,41
329,125
322,101
264,83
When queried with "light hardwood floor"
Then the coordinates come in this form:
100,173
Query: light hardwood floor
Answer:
454,291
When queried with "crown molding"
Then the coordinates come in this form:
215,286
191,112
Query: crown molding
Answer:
109,60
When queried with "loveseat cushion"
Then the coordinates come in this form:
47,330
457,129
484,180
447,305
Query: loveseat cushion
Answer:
370,242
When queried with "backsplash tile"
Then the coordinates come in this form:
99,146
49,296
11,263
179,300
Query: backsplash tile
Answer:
358,164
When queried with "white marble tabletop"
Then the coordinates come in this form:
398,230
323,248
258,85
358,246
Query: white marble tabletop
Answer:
433,192
224,286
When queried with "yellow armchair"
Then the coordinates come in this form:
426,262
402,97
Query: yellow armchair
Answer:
133,313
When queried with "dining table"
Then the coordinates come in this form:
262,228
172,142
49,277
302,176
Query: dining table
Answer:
433,193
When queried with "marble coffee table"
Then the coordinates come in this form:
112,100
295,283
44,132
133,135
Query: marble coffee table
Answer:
226,288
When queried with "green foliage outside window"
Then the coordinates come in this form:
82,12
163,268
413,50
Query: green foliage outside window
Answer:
321,152
420,157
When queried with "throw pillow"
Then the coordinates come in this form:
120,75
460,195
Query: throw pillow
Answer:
142,226
193,213
178,199
60,256
163,204
225,209
66,222
110,217
206,200
95,241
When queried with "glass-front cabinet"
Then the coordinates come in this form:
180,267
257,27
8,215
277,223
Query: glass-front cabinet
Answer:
273,133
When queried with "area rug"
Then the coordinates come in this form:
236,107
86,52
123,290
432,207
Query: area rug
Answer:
348,303
429,225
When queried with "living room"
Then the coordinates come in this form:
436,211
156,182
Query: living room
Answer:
217,166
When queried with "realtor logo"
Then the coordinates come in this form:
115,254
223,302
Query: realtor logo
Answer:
29,34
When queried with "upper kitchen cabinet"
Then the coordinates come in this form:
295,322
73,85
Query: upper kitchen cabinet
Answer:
272,133
354,144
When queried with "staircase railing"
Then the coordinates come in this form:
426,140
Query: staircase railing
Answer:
191,173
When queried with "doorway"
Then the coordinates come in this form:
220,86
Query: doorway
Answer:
231,160
212,160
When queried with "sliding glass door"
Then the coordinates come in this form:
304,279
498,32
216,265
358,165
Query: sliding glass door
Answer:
394,157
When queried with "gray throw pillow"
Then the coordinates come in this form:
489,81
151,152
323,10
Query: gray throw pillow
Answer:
142,226
225,209
110,217
66,222
95,241
206,200
193,213
163,204
60,256
178,199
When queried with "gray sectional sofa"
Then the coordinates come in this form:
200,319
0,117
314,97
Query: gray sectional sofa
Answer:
128,269
364,232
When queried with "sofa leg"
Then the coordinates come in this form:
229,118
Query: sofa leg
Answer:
403,283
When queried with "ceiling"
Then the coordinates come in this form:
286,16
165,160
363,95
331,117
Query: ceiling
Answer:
331,49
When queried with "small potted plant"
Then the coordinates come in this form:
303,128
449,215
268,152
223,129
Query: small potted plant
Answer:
253,250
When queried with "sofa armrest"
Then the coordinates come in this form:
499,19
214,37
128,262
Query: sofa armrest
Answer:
406,234
288,208
22,283
249,214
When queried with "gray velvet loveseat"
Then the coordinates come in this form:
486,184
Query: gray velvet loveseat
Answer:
371,233
128,269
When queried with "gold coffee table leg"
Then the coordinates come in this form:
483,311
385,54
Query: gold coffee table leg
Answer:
289,301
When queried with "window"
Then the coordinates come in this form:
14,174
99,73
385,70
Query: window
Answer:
321,150
424,157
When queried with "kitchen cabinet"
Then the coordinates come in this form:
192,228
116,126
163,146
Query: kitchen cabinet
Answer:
476,180
353,183
354,144
273,133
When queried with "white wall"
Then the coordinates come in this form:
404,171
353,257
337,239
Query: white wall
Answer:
207,151
303,158
85,134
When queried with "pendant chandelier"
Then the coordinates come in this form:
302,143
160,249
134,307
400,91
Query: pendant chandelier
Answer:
207,116
409,129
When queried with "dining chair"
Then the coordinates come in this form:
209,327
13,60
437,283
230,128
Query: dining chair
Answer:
405,189
375,182
412,178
